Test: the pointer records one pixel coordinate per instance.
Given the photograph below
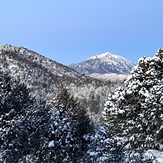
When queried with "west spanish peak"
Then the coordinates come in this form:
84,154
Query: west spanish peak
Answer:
104,64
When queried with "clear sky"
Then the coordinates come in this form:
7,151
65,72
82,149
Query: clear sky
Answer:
70,31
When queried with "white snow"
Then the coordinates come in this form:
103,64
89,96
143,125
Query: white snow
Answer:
110,76
51,143
108,57
93,153
156,155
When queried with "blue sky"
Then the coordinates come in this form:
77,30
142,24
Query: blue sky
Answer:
70,31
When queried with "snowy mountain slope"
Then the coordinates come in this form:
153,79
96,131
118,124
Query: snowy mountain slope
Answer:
35,58
46,78
111,76
105,63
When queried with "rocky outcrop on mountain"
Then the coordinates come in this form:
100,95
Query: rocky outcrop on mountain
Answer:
134,113
105,66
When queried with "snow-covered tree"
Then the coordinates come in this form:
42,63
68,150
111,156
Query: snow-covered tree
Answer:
23,121
32,132
102,148
134,112
35,132
69,123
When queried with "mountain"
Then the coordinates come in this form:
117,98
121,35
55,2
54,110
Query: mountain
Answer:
105,66
46,78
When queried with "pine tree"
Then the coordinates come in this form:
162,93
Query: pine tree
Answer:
102,147
69,123
23,121
134,113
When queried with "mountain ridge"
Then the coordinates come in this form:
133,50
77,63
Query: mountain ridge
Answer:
46,78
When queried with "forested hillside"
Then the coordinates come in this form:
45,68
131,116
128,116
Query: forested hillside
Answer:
46,78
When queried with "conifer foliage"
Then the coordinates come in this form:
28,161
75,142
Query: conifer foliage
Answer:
134,113
69,123
102,147
23,121
32,132
80,140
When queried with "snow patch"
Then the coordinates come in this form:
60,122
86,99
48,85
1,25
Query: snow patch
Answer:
51,143
155,155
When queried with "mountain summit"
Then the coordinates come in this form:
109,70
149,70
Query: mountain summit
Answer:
105,66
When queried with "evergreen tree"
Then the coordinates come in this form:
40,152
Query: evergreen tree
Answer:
134,113
75,139
102,147
32,132
23,121
69,124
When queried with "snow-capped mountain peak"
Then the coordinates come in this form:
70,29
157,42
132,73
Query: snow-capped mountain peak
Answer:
105,63
109,58
104,56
